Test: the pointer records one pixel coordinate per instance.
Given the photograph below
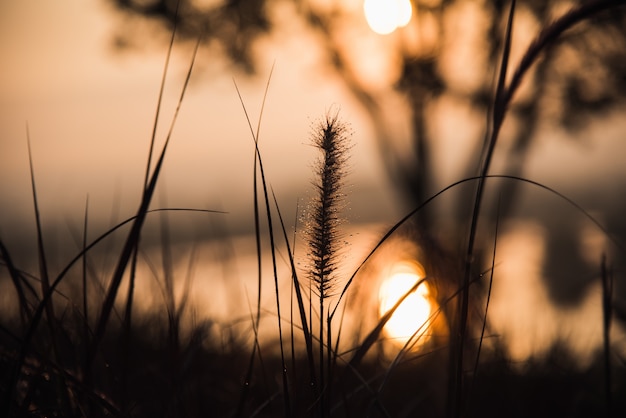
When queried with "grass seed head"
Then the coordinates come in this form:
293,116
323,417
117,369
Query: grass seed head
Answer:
331,137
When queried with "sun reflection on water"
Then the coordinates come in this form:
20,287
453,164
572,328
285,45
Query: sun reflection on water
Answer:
411,315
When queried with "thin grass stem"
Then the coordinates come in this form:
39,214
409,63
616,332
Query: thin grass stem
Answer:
133,236
268,214
301,306
607,314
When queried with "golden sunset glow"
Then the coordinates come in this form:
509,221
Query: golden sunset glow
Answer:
414,310
385,16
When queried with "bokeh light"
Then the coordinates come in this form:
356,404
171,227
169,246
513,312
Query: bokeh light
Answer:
385,16
414,311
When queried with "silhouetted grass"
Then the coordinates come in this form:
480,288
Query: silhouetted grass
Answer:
170,363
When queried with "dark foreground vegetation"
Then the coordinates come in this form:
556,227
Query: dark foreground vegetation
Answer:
204,374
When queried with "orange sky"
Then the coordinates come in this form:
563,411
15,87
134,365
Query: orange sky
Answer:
91,111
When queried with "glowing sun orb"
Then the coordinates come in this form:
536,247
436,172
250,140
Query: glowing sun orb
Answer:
385,16
412,313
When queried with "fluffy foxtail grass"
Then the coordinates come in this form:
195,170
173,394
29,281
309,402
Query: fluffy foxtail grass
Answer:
330,137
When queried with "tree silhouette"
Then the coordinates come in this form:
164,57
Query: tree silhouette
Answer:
580,76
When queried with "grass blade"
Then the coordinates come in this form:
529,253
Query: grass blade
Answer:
16,277
484,326
266,199
456,378
133,236
86,330
373,336
550,34
607,314
43,266
301,306
160,99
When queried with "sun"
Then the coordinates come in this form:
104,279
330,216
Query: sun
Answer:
414,310
385,16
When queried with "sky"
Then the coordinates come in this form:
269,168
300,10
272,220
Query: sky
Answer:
90,112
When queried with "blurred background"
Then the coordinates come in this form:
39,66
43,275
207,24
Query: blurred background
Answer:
417,93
